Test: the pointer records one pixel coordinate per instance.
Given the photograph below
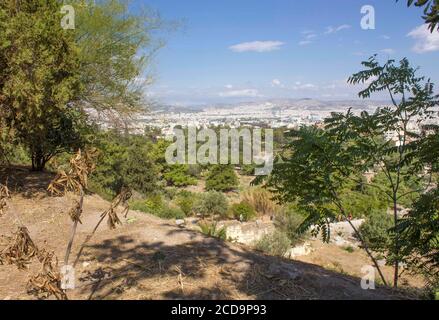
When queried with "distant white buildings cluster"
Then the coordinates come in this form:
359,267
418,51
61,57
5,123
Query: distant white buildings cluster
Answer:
258,115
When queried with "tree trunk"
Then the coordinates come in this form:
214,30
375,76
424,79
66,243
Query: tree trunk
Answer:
38,160
396,265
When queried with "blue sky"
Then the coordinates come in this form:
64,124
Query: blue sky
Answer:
237,50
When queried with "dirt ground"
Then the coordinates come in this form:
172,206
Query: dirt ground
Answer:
150,258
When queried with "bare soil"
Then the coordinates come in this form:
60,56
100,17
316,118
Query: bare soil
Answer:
150,258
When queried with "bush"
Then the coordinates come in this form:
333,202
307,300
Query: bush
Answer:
288,221
375,231
186,202
275,244
221,178
260,200
179,176
154,205
171,213
211,230
124,161
211,204
242,211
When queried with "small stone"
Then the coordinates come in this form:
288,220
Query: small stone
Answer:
180,222
85,264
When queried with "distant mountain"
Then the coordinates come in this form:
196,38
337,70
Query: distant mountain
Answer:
280,104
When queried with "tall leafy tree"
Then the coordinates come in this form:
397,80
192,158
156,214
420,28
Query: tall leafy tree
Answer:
116,47
39,77
318,164
51,79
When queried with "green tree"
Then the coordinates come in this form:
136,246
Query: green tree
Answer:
51,78
212,204
319,165
221,178
116,47
420,227
178,175
38,77
124,161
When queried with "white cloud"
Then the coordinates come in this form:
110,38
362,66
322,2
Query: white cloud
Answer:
277,83
425,40
388,51
385,37
306,86
257,46
240,93
228,86
332,29
304,43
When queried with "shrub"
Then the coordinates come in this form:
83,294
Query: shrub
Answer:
178,176
260,200
211,204
242,211
186,202
124,161
211,230
155,205
275,244
168,212
349,249
375,231
288,221
221,178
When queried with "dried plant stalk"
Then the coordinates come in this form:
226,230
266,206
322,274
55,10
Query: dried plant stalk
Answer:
4,194
19,250
48,281
121,199
81,165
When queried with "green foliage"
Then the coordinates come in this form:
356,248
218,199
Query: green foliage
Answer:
242,211
319,165
116,46
420,236
221,178
39,77
186,201
376,231
124,161
168,212
431,11
276,243
288,221
178,175
212,204
155,205
349,249
212,230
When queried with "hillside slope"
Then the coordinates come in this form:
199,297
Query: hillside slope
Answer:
150,258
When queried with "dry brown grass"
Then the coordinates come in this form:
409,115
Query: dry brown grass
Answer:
261,200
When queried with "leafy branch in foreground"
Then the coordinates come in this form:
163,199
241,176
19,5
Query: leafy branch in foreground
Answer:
318,165
431,11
